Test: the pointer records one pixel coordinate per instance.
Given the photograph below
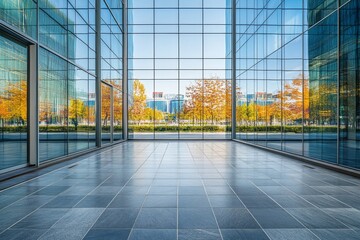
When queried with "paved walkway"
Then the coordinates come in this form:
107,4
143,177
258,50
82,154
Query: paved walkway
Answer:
183,190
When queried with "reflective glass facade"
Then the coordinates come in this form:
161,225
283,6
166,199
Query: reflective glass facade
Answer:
64,35
13,103
81,74
297,83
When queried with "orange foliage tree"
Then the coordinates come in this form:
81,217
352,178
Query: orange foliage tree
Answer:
208,100
13,102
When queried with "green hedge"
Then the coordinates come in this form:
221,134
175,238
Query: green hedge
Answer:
294,129
182,128
167,128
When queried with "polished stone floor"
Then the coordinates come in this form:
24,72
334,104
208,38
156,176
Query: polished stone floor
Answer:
183,190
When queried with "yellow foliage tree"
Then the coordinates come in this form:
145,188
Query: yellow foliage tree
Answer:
13,102
137,109
209,100
292,101
153,115
105,104
77,111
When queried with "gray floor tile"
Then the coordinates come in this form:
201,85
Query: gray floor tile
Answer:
325,201
68,233
196,218
193,201
108,234
157,218
315,219
335,234
95,201
64,201
245,234
198,234
348,216
42,218
225,201
160,201
258,202
153,234
117,218
235,218
22,234
275,218
84,216
285,234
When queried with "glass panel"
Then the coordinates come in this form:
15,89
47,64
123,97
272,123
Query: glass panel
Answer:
350,85
78,136
106,113
321,140
53,106
141,102
191,118
20,14
118,114
167,104
13,104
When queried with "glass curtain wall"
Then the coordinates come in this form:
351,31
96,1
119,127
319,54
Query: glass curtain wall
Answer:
179,69
65,33
66,77
13,103
297,84
112,64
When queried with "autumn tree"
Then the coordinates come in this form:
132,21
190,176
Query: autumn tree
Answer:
105,104
77,111
292,103
153,115
13,102
118,111
138,106
208,99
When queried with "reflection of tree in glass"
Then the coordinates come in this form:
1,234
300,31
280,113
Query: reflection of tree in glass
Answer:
105,104
77,111
289,105
13,102
117,102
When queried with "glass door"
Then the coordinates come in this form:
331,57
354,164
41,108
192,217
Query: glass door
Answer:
13,104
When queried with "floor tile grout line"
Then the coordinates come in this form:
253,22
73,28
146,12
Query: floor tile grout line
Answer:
78,208
140,208
61,168
301,198
212,209
245,206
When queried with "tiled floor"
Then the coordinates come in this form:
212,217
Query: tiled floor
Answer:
183,190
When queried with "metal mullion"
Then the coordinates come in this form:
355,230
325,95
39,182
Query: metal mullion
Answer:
154,68
303,78
111,114
233,73
202,70
124,93
338,86
178,80
98,70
